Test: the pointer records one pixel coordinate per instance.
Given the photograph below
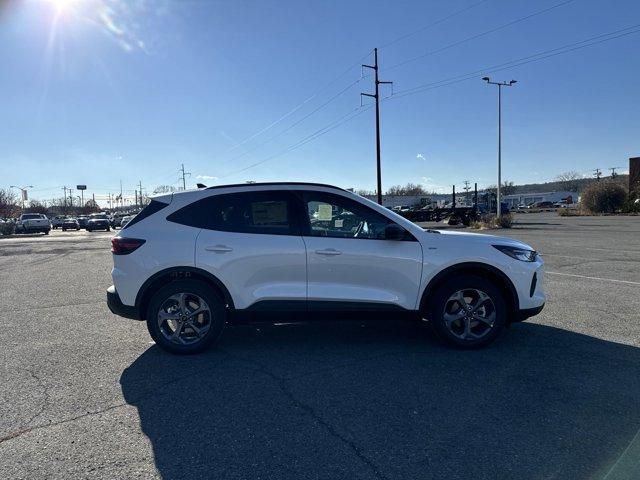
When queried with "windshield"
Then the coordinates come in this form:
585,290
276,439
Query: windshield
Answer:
99,216
31,216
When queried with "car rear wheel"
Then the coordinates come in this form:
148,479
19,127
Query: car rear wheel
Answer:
467,311
186,317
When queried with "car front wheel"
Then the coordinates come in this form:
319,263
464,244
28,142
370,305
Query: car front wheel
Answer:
467,311
186,317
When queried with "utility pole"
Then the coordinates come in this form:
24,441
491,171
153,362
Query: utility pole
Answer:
597,173
613,171
500,85
140,191
467,188
121,204
376,95
184,174
64,188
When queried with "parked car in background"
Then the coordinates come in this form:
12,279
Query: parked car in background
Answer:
33,223
98,221
541,205
70,224
191,261
82,221
57,221
125,220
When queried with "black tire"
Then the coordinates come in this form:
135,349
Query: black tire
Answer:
108,229
88,229
64,229
46,232
218,316
439,300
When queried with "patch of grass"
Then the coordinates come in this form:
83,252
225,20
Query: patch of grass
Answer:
487,222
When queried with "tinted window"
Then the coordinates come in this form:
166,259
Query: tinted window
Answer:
32,216
251,212
153,207
336,216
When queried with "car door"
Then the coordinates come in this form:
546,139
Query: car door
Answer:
350,264
252,244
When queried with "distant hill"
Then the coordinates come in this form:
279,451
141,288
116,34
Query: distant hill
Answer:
577,185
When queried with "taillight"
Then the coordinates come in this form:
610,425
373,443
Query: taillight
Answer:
124,246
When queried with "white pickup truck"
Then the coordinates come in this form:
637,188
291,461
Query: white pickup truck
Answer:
33,223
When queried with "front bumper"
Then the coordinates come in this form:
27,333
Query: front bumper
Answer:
525,313
118,308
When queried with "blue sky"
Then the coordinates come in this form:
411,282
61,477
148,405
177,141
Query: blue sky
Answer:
98,91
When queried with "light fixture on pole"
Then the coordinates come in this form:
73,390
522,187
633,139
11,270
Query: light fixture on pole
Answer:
23,193
500,85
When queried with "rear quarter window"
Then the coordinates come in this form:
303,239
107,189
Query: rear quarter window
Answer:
153,207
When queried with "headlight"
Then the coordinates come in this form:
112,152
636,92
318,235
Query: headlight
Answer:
518,253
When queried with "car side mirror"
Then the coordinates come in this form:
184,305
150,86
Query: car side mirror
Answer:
393,232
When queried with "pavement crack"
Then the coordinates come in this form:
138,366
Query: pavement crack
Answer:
45,392
282,384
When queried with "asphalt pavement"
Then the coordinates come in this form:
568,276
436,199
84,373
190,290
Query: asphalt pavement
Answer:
86,394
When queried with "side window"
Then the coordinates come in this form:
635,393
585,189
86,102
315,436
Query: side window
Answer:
261,212
336,216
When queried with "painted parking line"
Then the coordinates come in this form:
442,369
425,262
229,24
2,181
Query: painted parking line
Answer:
615,280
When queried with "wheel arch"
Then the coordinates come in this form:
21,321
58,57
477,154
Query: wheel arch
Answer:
484,270
172,274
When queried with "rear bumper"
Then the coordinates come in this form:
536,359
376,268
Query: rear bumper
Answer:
118,308
527,313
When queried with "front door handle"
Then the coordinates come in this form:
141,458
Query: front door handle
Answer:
329,251
218,248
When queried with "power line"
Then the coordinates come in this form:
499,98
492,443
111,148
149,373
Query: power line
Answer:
479,35
309,138
605,37
299,106
431,25
256,147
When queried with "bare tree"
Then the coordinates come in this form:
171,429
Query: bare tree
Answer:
8,203
36,206
570,180
408,189
508,188
164,189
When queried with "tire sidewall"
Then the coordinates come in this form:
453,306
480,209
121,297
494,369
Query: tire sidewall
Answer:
216,306
436,304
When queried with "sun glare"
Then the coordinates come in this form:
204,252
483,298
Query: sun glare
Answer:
63,5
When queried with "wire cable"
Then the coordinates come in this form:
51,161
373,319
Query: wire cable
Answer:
309,138
297,107
431,25
605,37
476,36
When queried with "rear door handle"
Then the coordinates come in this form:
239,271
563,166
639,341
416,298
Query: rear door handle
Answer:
329,251
218,248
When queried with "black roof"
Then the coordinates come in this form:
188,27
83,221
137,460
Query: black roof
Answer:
260,184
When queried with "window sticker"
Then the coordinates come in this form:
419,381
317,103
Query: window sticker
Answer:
325,211
269,213
339,223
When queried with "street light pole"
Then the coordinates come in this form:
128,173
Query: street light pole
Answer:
23,193
500,85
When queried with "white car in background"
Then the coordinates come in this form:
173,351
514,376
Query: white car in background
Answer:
33,223
192,261
125,220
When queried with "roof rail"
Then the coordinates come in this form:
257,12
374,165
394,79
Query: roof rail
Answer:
260,184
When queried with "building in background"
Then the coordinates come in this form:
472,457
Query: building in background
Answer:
634,178
529,198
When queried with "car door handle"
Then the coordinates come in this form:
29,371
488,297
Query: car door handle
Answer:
329,251
218,248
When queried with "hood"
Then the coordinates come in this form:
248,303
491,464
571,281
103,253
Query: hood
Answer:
480,238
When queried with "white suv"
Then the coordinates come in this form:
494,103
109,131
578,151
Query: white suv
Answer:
192,261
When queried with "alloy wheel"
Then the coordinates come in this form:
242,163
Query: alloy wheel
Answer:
469,314
184,318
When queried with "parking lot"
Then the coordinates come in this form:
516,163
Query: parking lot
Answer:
86,394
